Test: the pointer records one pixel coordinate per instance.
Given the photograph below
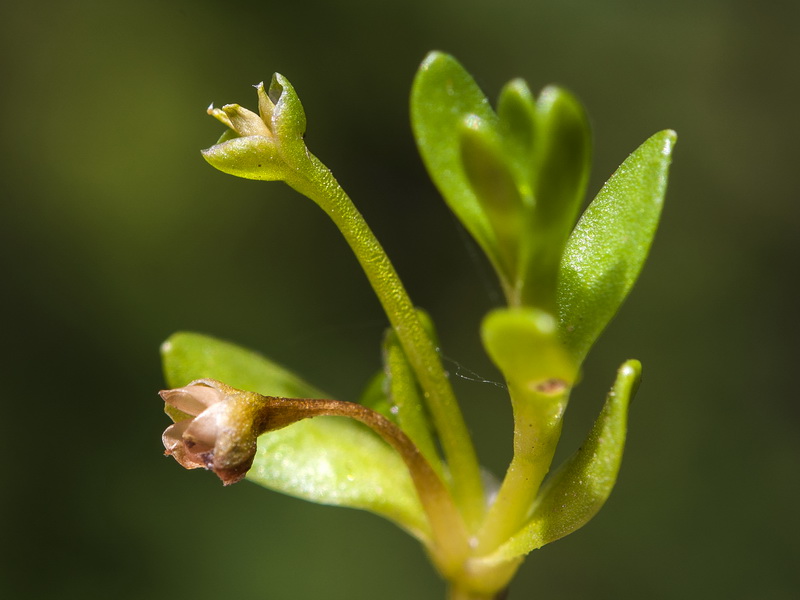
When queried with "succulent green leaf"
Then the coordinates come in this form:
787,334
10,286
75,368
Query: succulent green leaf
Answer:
525,346
578,489
516,109
556,174
606,251
188,356
565,154
339,462
327,460
515,179
488,170
443,96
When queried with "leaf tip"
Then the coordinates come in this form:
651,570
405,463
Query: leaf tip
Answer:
670,139
436,58
433,56
166,346
631,368
630,376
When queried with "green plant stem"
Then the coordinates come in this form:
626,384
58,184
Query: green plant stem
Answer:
404,394
317,183
537,428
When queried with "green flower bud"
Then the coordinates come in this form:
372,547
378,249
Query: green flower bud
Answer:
264,146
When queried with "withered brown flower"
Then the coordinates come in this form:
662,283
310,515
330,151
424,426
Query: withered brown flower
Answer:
215,428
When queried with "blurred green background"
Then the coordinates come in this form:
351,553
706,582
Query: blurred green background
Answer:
115,233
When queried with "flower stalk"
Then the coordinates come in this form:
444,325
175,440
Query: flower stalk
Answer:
216,427
456,442
270,146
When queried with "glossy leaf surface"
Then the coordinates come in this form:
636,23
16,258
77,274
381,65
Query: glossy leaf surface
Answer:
610,243
327,460
558,180
514,178
443,96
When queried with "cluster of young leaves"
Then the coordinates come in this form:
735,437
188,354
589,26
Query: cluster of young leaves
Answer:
516,178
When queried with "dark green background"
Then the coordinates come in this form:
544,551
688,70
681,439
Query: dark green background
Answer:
115,233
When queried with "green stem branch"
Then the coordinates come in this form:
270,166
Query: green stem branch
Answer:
537,428
317,182
404,392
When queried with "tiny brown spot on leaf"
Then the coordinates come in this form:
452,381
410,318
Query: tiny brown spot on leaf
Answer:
552,386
